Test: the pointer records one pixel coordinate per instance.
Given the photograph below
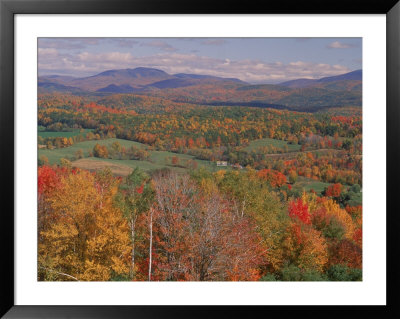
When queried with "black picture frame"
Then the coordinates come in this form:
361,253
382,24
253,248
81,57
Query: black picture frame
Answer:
8,8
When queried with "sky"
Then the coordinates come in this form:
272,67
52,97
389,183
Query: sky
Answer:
254,60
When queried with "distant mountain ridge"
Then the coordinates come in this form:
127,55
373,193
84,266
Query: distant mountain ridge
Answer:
138,79
47,86
303,83
140,72
143,78
201,76
300,94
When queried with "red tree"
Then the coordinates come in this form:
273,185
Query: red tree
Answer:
334,190
299,210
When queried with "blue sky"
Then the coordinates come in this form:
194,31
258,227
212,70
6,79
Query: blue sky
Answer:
256,60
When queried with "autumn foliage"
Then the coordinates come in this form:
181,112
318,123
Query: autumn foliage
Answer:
334,190
87,238
228,226
275,178
262,216
299,210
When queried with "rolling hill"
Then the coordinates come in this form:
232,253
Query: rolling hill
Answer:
272,96
48,87
301,94
303,83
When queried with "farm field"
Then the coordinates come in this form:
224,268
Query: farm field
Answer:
253,145
308,184
157,159
120,167
92,164
55,155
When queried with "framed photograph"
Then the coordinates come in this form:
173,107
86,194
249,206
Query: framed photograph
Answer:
168,155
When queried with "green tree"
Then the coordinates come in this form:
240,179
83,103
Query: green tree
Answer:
65,163
134,198
292,177
43,160
344,273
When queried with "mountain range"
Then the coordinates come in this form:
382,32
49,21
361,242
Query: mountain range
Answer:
129,81
339,90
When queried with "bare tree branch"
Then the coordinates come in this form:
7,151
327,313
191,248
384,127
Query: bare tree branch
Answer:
60,273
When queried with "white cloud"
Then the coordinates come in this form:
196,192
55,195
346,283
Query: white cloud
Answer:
52,61
340,45
161,45
47,52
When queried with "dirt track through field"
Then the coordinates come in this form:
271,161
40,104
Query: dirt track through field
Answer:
95,165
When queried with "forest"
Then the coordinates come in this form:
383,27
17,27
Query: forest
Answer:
163,187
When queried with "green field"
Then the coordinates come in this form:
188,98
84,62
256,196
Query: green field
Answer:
55,155
72,133
253,145
307,184
157,159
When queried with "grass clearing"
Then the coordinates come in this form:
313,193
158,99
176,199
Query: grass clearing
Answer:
55,155
72,133
307,184
253,145
120,167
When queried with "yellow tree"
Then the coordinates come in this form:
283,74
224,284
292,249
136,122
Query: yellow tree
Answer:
333,209
89,239
305,247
